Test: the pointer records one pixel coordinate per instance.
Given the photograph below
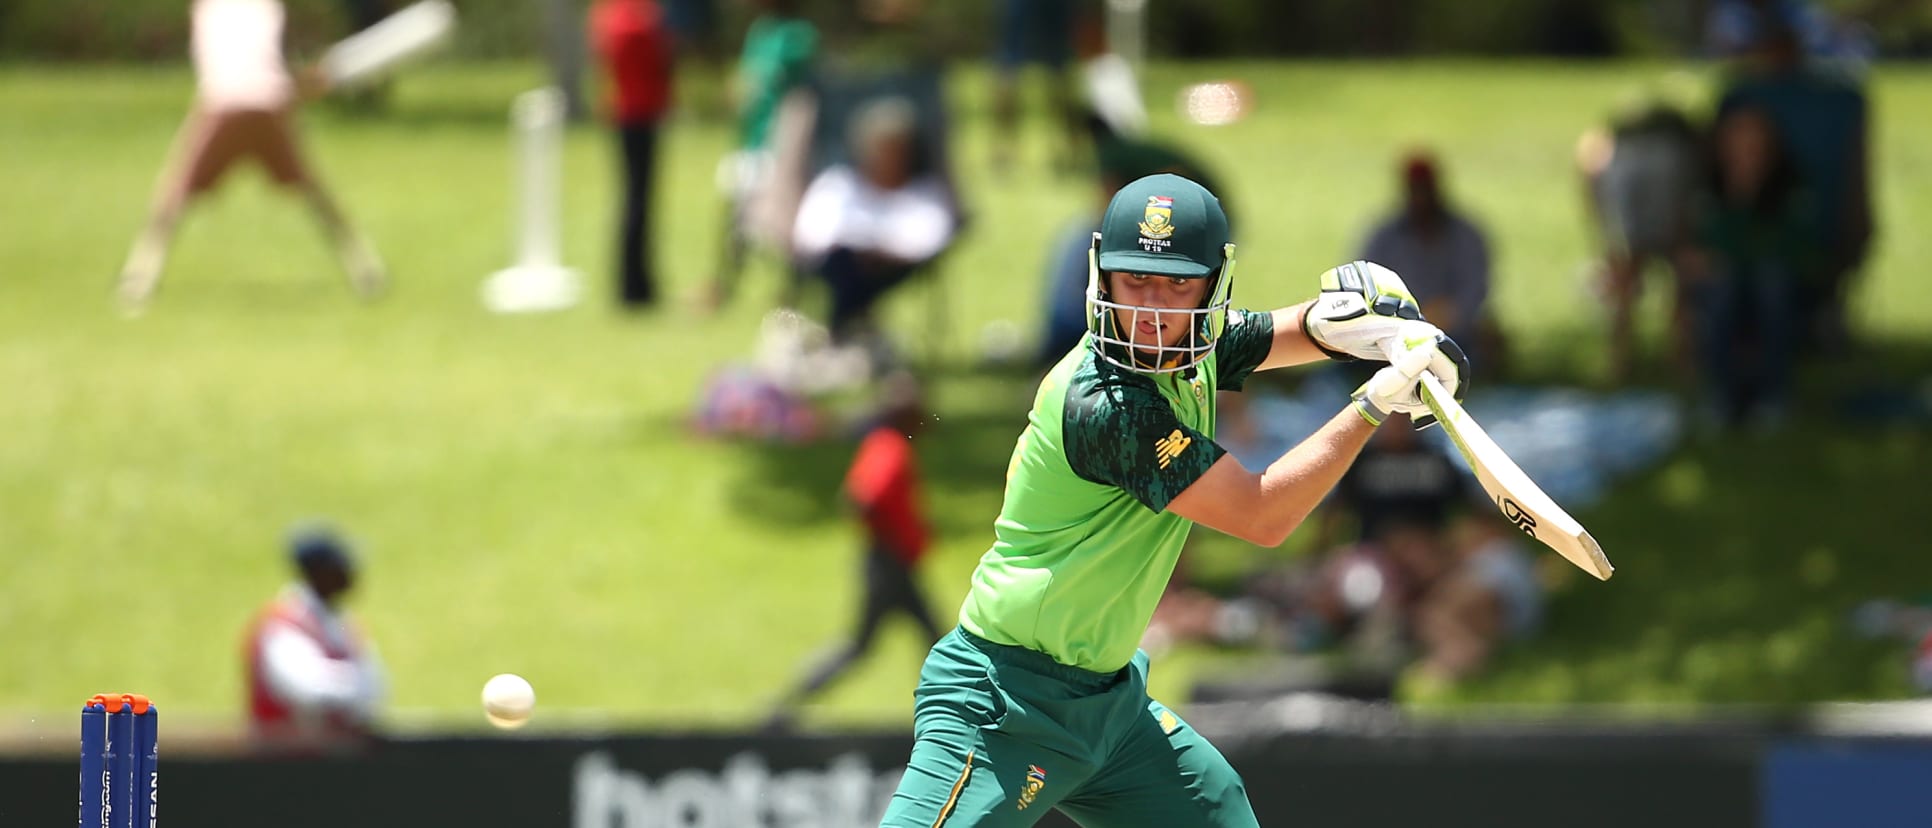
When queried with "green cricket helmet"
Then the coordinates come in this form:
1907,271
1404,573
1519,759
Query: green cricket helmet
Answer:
1162,225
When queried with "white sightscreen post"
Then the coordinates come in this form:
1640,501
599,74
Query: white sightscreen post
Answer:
537,120
538,280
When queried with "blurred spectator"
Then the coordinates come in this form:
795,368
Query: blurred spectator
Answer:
1032,32
778,52
1443,601
866,225
1755,240
1362,596
1642,177
773,396
1401,495
243,109
779,49
1821,119
635,46
1734,27
1398,478
1441,254
883,485
564,51
313,678
1487,596
1118,159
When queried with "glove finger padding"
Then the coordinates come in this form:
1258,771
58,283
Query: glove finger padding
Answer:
1362,306
1383,291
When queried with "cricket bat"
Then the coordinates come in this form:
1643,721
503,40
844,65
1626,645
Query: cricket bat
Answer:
1522,502
402,37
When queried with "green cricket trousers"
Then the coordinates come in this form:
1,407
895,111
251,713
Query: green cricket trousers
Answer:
1003,734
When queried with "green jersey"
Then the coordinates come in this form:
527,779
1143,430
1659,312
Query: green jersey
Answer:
1084,546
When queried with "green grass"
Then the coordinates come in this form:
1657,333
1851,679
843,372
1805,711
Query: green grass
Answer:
530,503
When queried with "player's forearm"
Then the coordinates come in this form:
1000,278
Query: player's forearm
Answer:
1291,343
1296,483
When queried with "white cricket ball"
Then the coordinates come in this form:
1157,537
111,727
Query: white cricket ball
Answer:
508,700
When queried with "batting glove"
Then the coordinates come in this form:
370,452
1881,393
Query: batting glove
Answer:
1397,389
1450,364
1359,312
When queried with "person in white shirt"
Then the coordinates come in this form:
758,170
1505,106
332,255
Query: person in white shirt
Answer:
864,227
314,680
243,109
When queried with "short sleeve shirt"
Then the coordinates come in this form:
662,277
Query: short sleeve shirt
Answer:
1084,544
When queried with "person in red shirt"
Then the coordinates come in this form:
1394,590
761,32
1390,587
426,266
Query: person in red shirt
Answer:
637,52
883,485
314,680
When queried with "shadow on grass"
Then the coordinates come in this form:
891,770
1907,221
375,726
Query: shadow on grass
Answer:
963,455
1740,558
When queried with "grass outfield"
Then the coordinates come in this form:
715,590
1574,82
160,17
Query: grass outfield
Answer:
528,499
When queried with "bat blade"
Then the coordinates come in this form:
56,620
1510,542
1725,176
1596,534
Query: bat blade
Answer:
393,41
1522,502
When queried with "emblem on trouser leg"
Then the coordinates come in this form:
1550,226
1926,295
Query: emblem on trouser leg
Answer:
1035,780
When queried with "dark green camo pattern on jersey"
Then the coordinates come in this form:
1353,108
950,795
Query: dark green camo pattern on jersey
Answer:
1083,546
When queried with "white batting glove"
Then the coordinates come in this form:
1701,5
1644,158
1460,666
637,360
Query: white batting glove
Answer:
1397,389
1450,364
1360,311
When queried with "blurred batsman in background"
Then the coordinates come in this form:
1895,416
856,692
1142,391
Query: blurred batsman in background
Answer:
243,110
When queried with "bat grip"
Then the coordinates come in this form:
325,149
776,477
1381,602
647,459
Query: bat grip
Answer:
1431,386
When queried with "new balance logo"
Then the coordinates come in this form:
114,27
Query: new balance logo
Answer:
1169,447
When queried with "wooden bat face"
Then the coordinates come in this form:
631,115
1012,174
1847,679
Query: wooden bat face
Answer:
1521,501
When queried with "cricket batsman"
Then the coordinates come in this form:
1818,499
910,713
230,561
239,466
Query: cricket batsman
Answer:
245,99
1038,699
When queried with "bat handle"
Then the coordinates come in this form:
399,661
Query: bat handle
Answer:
1430,384
1432,388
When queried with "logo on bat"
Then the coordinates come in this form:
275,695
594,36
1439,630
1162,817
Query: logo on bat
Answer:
1516,514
